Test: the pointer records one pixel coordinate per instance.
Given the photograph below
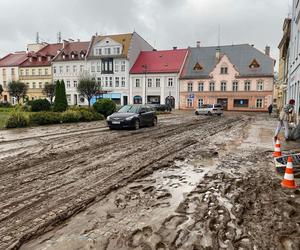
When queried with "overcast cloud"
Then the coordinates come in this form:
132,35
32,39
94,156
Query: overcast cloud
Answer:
163,23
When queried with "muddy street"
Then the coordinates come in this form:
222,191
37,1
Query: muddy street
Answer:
192,182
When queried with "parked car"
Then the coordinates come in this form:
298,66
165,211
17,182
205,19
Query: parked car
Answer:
210,109
132,116
161,107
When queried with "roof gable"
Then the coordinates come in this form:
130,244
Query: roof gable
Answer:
224,62
13,59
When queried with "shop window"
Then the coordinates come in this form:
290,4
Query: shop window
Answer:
240,103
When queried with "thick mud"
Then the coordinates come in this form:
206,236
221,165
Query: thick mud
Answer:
190,183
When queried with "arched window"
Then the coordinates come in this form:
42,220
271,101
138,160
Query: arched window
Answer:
137,99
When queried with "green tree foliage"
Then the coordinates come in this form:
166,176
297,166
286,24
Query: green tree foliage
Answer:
1,90
105,107
17,89
40,105
17,120
49,91
60,101
88,88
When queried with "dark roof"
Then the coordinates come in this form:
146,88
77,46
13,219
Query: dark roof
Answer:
70,48
50,50
241,56
13,59
165,61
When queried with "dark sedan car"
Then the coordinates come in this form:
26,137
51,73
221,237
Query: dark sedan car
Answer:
132,116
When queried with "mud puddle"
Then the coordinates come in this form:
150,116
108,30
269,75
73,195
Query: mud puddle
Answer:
130,213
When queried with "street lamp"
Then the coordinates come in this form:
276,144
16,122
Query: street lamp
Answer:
144,66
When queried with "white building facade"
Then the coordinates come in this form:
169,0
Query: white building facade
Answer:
293,88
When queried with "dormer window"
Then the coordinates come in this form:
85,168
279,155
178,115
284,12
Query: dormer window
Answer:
30,59
224,69
64,56
254,64
39,58
198,67
117,50
107,51
72,56
49,58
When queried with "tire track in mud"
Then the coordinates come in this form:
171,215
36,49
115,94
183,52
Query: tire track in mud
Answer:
71,198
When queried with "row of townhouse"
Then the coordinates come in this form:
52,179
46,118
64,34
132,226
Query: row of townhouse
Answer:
131,71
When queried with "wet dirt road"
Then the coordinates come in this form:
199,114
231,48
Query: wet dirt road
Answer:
189,183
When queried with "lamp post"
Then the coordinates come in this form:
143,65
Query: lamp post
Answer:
145,72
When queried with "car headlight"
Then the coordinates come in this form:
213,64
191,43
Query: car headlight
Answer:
108,118
129,118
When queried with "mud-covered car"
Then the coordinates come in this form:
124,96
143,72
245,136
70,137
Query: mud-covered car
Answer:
210,109
132,116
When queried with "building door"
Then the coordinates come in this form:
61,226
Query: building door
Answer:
170,100
125,100
224,102
75,99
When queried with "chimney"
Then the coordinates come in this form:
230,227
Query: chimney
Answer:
65,42
174,48
198,44
218,53
267,50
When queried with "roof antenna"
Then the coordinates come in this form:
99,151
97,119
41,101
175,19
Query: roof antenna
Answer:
37,37
219,35
59,37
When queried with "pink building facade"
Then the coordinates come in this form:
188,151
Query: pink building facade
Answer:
239,77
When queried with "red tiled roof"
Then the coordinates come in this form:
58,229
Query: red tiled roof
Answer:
165,61
13,59
49,50
75,47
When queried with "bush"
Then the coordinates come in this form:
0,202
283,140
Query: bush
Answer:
44,118
71,116
60,101
17,120
5,105
105,107
87,114
40,105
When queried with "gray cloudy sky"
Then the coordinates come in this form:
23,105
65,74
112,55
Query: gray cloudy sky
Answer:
164,23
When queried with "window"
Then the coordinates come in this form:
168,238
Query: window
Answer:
4,71
200,102
259,103
99,81
54,70
198,67
211,86
33,85
69,98
190,102
223,86
98,51
240,103
235,86
110,82
75,84
107,51
12,71
123,82
40,72
254,64
157,83
260,86
149,82
60,69
67,69
106,81
117,50
123,66
117,82
92,68
4,84
224,70
74,68
40,85
46,71
81,68
21,72
170,82
33,72
68,84
200,86
110,66
137,83
247,85
117,66
98,67
107,66
190,87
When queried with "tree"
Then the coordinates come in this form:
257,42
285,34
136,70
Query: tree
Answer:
49,91
88,88
60,101
17,89
1,90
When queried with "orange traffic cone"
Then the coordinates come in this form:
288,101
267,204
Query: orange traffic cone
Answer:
288,179
277,150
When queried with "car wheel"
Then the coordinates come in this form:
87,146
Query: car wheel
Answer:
136,124
196,113
154,122
111,128
209,113
219,114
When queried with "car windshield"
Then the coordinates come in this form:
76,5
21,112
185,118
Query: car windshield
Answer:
129,109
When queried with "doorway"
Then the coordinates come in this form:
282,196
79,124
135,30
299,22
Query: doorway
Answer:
224,102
